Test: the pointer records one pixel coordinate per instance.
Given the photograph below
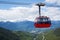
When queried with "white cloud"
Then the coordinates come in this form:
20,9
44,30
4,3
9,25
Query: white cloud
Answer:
53,1
50,1
52,12
28,13
18,13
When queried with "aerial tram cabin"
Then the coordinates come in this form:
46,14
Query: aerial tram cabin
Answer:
42,21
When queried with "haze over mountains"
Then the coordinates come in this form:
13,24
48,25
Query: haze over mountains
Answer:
27,26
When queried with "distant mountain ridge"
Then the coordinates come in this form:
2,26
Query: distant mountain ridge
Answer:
26,26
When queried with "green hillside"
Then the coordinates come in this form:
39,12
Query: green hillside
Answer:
53,34
19,35
7,35
13,35
24,35
50,35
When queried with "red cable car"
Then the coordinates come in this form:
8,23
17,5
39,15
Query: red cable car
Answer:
42,21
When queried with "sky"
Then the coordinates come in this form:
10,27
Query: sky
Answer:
11,12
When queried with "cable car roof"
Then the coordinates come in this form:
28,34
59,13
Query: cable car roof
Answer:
42,17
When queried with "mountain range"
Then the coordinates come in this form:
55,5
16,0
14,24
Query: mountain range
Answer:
27,26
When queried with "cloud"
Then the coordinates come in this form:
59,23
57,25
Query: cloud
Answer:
18,13
28,13
52,12
53,1
50,1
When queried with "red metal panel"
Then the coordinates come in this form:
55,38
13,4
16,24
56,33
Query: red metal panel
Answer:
42,25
